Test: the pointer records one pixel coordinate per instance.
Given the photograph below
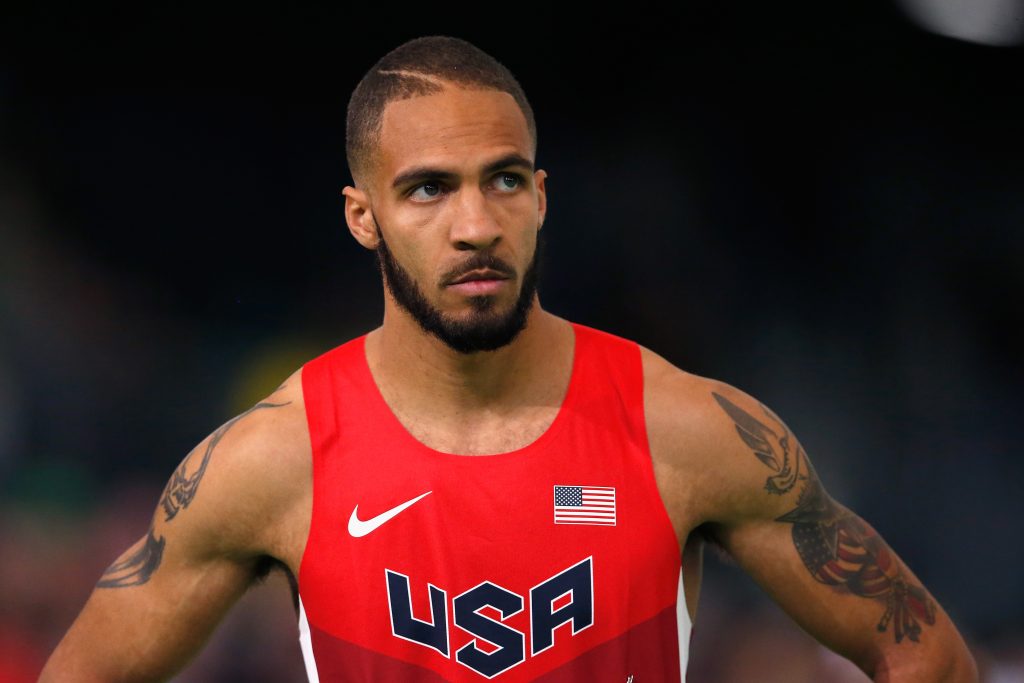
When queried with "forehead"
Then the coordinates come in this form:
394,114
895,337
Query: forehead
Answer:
452,128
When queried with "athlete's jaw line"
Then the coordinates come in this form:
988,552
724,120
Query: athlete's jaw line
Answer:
483,328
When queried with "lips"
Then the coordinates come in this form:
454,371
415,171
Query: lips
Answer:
479,274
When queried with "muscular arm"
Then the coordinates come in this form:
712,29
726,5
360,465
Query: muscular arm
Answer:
762,501
225,513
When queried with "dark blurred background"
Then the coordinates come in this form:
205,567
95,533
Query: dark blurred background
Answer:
821,204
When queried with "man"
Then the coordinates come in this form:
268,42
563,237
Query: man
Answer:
478,489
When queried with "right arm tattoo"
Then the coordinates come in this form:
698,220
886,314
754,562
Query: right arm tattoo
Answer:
182,487
136,568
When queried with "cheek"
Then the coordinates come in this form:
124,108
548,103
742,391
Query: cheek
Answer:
423,261
424,241
528,249
415,262
528,238
411,246
519,216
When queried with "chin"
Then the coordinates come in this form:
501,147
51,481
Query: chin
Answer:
488,305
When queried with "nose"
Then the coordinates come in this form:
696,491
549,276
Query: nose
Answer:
474,225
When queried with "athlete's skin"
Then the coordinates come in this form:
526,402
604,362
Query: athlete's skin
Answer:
723,463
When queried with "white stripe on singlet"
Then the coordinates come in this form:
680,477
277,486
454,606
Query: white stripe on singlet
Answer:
683,627
306,643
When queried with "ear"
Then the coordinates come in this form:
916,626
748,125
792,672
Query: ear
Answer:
542,196
359,216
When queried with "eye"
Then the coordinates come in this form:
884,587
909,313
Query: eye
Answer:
425,192
507,182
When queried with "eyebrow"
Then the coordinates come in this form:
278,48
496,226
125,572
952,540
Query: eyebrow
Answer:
421,173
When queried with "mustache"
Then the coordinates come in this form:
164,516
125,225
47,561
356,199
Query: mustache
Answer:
479,261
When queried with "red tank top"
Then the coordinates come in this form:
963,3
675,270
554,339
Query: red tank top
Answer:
554,562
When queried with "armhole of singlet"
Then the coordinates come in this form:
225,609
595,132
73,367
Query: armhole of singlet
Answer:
319,400
309,375
312,372
320,379
684,624
650,480
632,377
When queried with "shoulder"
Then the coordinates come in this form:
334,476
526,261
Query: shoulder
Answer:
270,437
271,432
240,489
681,406
703,433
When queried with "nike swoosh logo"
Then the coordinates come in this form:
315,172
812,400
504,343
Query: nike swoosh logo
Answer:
358,527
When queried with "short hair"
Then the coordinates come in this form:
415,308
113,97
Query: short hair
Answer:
414,69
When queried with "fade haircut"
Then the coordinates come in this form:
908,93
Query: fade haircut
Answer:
421,66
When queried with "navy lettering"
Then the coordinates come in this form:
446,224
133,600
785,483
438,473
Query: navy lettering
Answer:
405,625
510,642
544,619
566,597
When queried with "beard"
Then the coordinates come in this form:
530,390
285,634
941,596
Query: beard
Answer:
486,328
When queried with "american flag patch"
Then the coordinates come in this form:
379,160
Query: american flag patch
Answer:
585,505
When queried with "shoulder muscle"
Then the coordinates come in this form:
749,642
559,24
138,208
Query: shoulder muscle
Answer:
229,491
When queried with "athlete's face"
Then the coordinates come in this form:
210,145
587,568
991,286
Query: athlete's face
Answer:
453,209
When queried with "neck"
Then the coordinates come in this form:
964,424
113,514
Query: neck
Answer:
406,360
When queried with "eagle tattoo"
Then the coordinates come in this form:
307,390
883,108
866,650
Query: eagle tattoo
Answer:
837,547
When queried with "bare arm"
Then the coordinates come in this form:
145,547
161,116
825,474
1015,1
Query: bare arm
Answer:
824,565
218,525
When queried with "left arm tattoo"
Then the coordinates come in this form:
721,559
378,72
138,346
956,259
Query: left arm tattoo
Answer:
760,438
837,547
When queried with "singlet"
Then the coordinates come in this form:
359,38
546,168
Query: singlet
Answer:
556,562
